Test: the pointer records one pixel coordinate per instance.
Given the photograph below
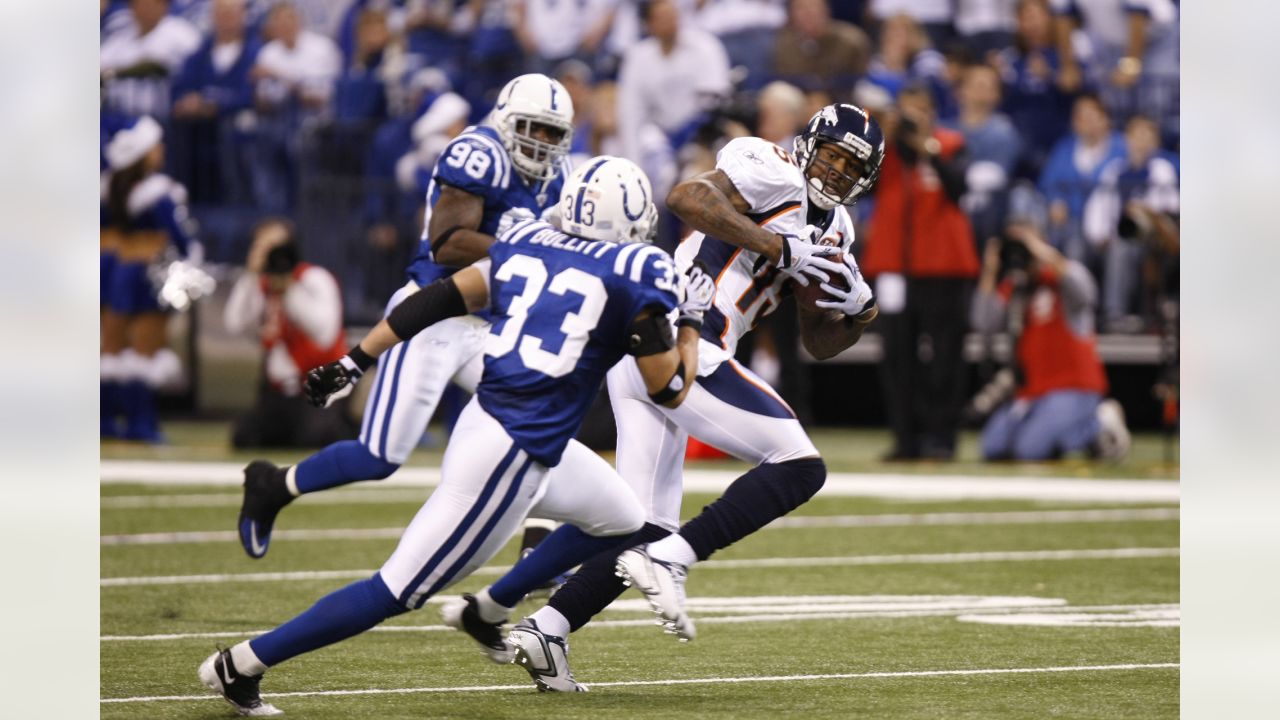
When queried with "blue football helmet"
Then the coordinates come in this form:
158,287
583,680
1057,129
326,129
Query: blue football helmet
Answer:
853,129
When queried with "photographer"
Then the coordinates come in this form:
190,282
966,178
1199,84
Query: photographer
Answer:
1046,303
295,308
921,255
1132,218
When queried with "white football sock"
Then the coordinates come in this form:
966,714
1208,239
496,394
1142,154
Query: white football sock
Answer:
291,480
551,622
491,611
246,660
673,548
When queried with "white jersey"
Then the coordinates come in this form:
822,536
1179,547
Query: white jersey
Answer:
748,286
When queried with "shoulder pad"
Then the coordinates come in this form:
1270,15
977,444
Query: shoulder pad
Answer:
475,159
765,175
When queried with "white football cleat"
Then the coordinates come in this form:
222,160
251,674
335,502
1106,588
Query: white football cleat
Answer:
219,673
662,584
1113,435
464,614
545,657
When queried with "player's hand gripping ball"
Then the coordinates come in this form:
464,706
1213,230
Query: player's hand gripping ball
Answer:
807,296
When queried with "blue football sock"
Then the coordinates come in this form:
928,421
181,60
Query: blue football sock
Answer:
139,403
109,408
558,553
337,616
338,464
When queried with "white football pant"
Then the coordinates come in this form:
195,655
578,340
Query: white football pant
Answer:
412,376
731,409
488,486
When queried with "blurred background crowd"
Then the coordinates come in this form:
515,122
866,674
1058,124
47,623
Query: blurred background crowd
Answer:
1031,178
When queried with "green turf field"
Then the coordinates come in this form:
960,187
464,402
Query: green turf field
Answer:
875,608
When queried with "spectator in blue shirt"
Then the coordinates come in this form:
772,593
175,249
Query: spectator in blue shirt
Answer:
1038,107
211,90
994,148
1135,194
1072,172
360,93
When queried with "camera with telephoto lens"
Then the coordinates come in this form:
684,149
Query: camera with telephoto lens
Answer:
1015,259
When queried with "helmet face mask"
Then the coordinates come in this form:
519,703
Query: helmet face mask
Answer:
844,134
534,117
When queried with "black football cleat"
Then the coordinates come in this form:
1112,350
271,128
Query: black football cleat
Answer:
265,495
464,614
218,672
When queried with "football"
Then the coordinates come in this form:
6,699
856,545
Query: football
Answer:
807,296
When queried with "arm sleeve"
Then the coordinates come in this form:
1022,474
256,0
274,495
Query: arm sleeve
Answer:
1078,289
314,304
244,306
438,301
171,211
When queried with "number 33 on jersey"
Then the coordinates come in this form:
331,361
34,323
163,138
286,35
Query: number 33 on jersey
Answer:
562,309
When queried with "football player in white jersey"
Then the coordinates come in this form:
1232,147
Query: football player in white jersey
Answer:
763,218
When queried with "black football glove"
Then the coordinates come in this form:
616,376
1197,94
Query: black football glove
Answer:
330,383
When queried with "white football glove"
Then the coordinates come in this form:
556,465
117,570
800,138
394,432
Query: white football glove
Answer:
511,218
854,301
698,292
802,258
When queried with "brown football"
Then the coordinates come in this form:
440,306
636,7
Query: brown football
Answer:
808,296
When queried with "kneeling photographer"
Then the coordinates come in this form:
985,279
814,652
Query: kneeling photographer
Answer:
1046,304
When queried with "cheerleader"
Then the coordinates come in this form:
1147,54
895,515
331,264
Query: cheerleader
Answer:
144,215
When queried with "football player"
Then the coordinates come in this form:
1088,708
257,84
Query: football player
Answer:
566,308
763,218
509,167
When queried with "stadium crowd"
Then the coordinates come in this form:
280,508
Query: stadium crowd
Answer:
332,112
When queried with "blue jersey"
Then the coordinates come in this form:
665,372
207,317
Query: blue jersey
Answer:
562,308
476,162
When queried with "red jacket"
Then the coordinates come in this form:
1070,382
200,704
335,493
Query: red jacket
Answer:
277,328
1051,356
916,229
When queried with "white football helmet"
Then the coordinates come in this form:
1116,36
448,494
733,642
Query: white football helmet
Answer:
609,198
527,101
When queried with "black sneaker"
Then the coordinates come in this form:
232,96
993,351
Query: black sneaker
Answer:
219,673
265,494
464,614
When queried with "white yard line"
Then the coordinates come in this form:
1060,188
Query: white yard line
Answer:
792,522
702,620
680,681
927,558
950,487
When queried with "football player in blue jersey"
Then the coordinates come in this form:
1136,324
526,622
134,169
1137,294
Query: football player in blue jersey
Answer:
566,307
509,167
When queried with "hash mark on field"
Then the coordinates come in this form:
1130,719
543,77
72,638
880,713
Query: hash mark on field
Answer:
679,681
791,522
925,558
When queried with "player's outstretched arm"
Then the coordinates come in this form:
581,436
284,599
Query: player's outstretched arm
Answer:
455,240
464,292
711,204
